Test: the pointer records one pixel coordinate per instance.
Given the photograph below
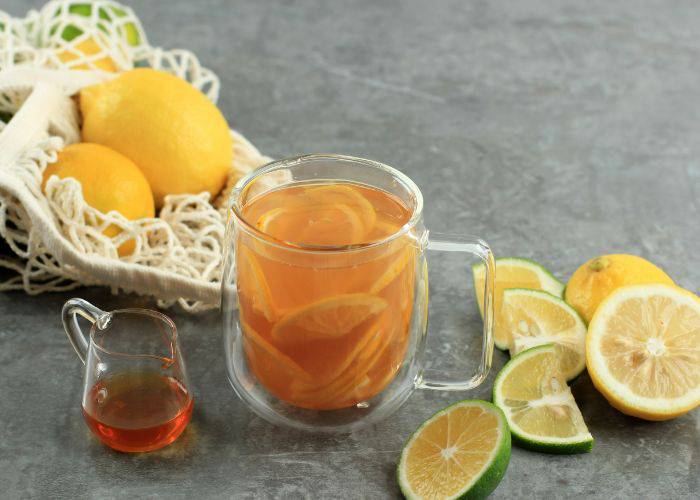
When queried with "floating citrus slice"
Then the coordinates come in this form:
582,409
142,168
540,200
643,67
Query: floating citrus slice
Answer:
536,318
512,273
335,194
330,225
643,350
329,318
251,280
541,411
460,452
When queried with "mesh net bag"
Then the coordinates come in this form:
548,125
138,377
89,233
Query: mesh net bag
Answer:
55,240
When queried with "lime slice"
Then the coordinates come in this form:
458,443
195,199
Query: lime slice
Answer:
536,318
462,451
512,272
539,406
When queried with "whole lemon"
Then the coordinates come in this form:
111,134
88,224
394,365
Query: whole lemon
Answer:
599,277
175,135
110,181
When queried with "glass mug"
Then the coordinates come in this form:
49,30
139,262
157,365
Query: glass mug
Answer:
325,292
136,396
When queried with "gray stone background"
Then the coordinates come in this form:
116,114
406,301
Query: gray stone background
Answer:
555,130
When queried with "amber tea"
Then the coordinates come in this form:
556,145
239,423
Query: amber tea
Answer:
325,333
138,411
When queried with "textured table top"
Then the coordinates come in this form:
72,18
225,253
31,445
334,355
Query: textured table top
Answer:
555,130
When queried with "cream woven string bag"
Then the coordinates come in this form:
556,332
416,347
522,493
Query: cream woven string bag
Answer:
55,239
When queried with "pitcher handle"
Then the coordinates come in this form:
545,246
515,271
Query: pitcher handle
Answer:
468,244
70,323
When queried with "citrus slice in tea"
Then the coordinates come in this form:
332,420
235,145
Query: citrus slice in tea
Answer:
541,411
536,318
462,451
326,225
355,369
400,260
251,278
269,360
341,194
643,350
512,272
329,318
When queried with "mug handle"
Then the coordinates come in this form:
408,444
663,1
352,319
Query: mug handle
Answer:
469,244
70,323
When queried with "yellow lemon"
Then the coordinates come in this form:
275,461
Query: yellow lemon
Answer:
90,48
110,181
177,137
599,277
643,350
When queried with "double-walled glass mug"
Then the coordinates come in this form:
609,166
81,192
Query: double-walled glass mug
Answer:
325,292
136,396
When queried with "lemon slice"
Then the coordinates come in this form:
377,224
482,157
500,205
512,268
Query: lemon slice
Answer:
460,452
643,350
512,272
333,394
539,406
336,224
267,359
251,278
401,259
536,318
329,318
334,194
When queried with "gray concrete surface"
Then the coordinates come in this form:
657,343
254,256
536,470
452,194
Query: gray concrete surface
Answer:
556,130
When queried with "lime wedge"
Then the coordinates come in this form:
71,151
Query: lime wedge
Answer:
512,272
541,411
536,318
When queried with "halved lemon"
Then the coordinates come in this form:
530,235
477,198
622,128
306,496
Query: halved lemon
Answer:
460,452
541,411
512,272
252,282
536,318
329,318
643,350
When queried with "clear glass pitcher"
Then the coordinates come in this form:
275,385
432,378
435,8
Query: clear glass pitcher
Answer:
330,337
136,395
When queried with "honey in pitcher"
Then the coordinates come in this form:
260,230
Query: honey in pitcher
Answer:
137,411
325,314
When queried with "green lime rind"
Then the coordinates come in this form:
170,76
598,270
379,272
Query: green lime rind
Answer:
130,31
582,443
580,324
489,477
549,283
584,446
